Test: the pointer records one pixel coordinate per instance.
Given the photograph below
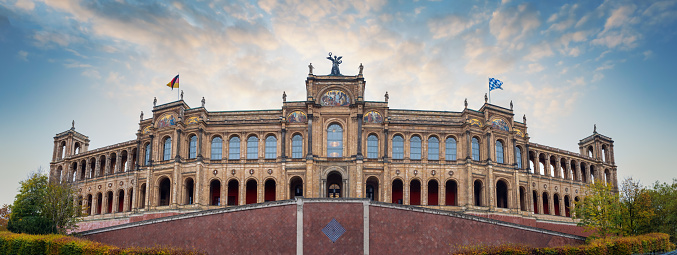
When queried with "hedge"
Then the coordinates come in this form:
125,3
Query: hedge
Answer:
648,243
25,244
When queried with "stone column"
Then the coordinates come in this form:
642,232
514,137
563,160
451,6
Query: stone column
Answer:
150,156
283,144
199,144
359,136
468,145
528,155
386,141
490,148
310,136
97,167
118,161
514,154
108,169
177,151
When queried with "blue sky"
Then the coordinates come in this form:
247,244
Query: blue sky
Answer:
566,65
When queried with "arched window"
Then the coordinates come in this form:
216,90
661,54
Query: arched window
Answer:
499,152
252,147
334,141
234,148
372,146
297,146
475,149
433,148
167,149
146,161
398,147
192,148
271,147
415,148
450,153
217,145
518,155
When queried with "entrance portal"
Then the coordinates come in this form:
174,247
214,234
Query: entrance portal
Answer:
334,185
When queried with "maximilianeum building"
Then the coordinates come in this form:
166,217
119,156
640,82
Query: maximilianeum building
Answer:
332,144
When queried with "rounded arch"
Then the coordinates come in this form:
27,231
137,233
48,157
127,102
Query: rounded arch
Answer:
251,190
500,151
295,186
523,198
234,135
397,193
476,148
502,188
269,187
214,191
334,139
433,191
233,191
556,201
334,184
546,202
478,189
164,189
451,192
350,95
372,188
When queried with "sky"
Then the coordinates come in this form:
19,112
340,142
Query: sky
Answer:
565,65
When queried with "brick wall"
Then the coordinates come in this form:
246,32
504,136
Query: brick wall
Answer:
272,228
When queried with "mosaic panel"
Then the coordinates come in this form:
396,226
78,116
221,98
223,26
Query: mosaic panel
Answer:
193,120
334,98
372,117
297,117
500,124
146,130
475,122
166,121
519,132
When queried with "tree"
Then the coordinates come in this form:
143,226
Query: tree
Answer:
41,207
637,210
600,211
664,201
5,210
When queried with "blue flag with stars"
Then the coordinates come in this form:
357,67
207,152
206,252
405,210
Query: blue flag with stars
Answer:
495,84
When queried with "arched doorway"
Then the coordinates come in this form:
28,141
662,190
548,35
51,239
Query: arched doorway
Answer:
190,187
371,189
164,192
523,199
233,192
99,202
450,193
250,194
334,185
269,190
477,188
89,204
535,199
415,192
567,205
433,192
555,200
121,200
546,203
295,187
501,194
109,200
142,196
397,191
215,192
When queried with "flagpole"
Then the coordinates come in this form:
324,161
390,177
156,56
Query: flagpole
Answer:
177,91
489,90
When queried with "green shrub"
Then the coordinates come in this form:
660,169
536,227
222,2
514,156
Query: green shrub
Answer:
24,244
654,242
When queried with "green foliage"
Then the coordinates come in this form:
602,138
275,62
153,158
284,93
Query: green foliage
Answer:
600,211
664,201
41,207
649,243
637,211
5,210
21,244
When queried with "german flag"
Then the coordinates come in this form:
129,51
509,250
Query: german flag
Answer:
174,83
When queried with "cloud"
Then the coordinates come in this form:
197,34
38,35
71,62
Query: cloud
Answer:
22,55
535,68
449,26
26,5
647,54
514,23
539,51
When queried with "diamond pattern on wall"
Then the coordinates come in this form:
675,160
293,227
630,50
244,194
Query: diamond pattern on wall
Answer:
333,230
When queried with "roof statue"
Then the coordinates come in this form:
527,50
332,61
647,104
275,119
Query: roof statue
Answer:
310,68
73,125
386,96
141,116
361,68
466,103
284,96
336,61
511,105
203,102
524,119
182,95
594,130
486,99
154,101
